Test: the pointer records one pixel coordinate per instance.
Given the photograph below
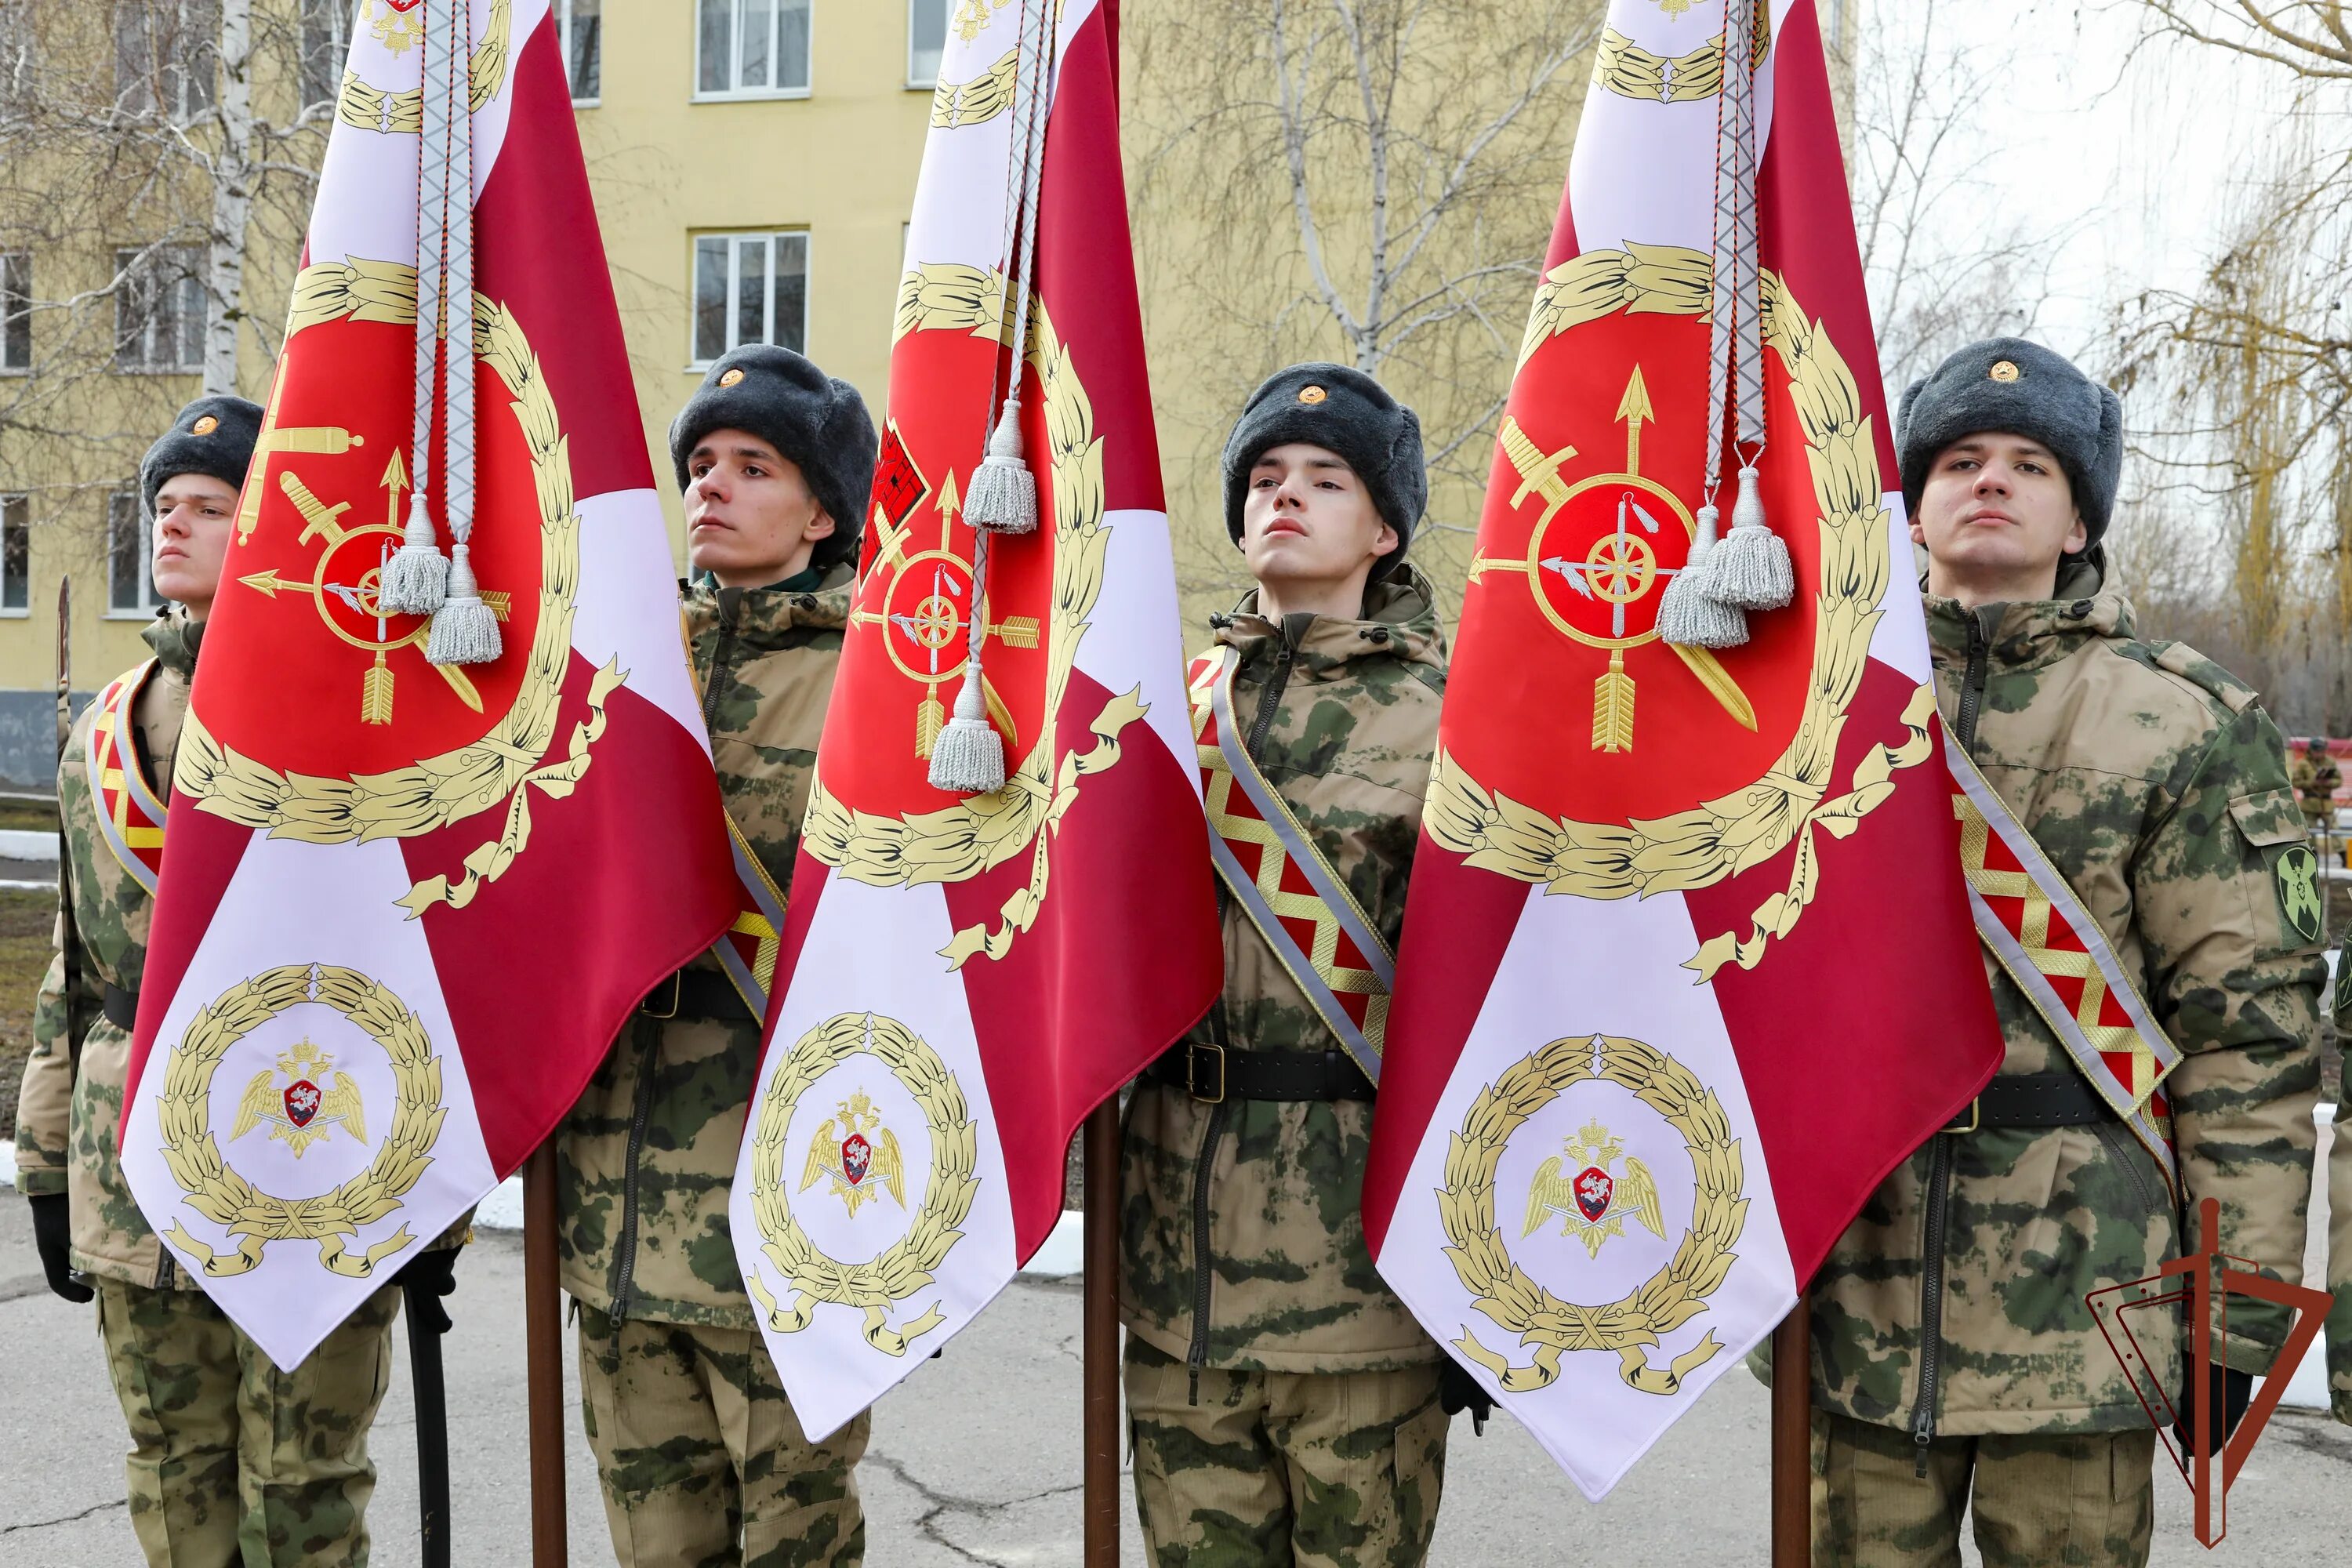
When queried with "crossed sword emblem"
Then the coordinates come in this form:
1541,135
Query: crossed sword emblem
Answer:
322,521
1620,569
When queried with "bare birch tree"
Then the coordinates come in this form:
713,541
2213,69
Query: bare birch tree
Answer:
1374,182
1943,266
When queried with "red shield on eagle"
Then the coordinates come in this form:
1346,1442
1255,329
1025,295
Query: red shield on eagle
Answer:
301,1097
1594,1189
857,1158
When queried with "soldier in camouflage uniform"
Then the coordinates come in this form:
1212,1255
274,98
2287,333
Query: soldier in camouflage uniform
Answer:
702,1460
2317,780
2339,1210
232,1461
1955,1361
1286,1407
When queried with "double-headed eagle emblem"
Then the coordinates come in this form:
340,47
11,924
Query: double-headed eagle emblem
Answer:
859,1155
1592,1203
299,1111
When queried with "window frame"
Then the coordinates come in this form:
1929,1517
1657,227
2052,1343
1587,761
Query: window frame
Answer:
752,94
696,361
563,13
338,15
947,16
126,258
131,503
17,264
16,514
195,86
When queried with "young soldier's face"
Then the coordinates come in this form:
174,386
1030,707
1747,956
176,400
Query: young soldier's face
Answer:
1997,510
1307,519
749,517
193,513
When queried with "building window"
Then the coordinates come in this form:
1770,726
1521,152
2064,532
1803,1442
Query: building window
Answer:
751,49
15,556
326,46
16,56
130,557
16,312
165,53
749,288
927,40
159,308
580,24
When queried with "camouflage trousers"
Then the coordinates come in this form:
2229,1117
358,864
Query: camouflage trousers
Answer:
232,1461
1320,1469
703,1463
2055,1500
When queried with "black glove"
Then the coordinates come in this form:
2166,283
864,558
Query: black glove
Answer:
428,1277
1458,1391
52,1233
2231,1392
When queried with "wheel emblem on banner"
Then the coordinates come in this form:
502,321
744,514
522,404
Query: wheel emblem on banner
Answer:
872,813
905,1267
1511,1298
220,1193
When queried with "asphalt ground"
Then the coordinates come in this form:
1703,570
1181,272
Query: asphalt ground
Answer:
975,1459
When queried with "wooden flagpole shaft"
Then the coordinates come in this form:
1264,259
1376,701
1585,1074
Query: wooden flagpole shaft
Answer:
543,1321
1102,1424
1792,1437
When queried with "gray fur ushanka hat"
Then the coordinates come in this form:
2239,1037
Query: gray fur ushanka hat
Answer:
2022,388
1344,411
214,435
817,422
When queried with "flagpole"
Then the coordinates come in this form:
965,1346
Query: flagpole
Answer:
1792,1437
543,1319
1102,1336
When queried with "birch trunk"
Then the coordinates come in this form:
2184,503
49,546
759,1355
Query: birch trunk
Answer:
232,173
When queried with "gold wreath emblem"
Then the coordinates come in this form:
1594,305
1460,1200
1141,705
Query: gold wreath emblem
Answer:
1740,831
220,1195
1672,1297
518,751
908,1265
984,831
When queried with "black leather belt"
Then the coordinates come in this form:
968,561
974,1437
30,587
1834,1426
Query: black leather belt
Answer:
2034,1099
695,996
1212,1073
121,1008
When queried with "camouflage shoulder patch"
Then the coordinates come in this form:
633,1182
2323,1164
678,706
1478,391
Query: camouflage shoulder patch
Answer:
2198,670
2295,874
2339,995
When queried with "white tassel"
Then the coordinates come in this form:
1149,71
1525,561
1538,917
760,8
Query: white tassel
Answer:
968,757
465,629
1690,615
1003,493
1752,569
416,578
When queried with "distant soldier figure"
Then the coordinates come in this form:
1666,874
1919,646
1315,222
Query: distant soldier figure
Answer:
1956,1365
1286,1406
2317,780
702,1460
231,1460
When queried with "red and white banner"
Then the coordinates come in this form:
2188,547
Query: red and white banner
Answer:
970,976
1688,964
406,905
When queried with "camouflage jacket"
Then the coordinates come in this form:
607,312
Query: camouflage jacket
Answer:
647,1158
1348,715
71,1104
2339,1211
2158,785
